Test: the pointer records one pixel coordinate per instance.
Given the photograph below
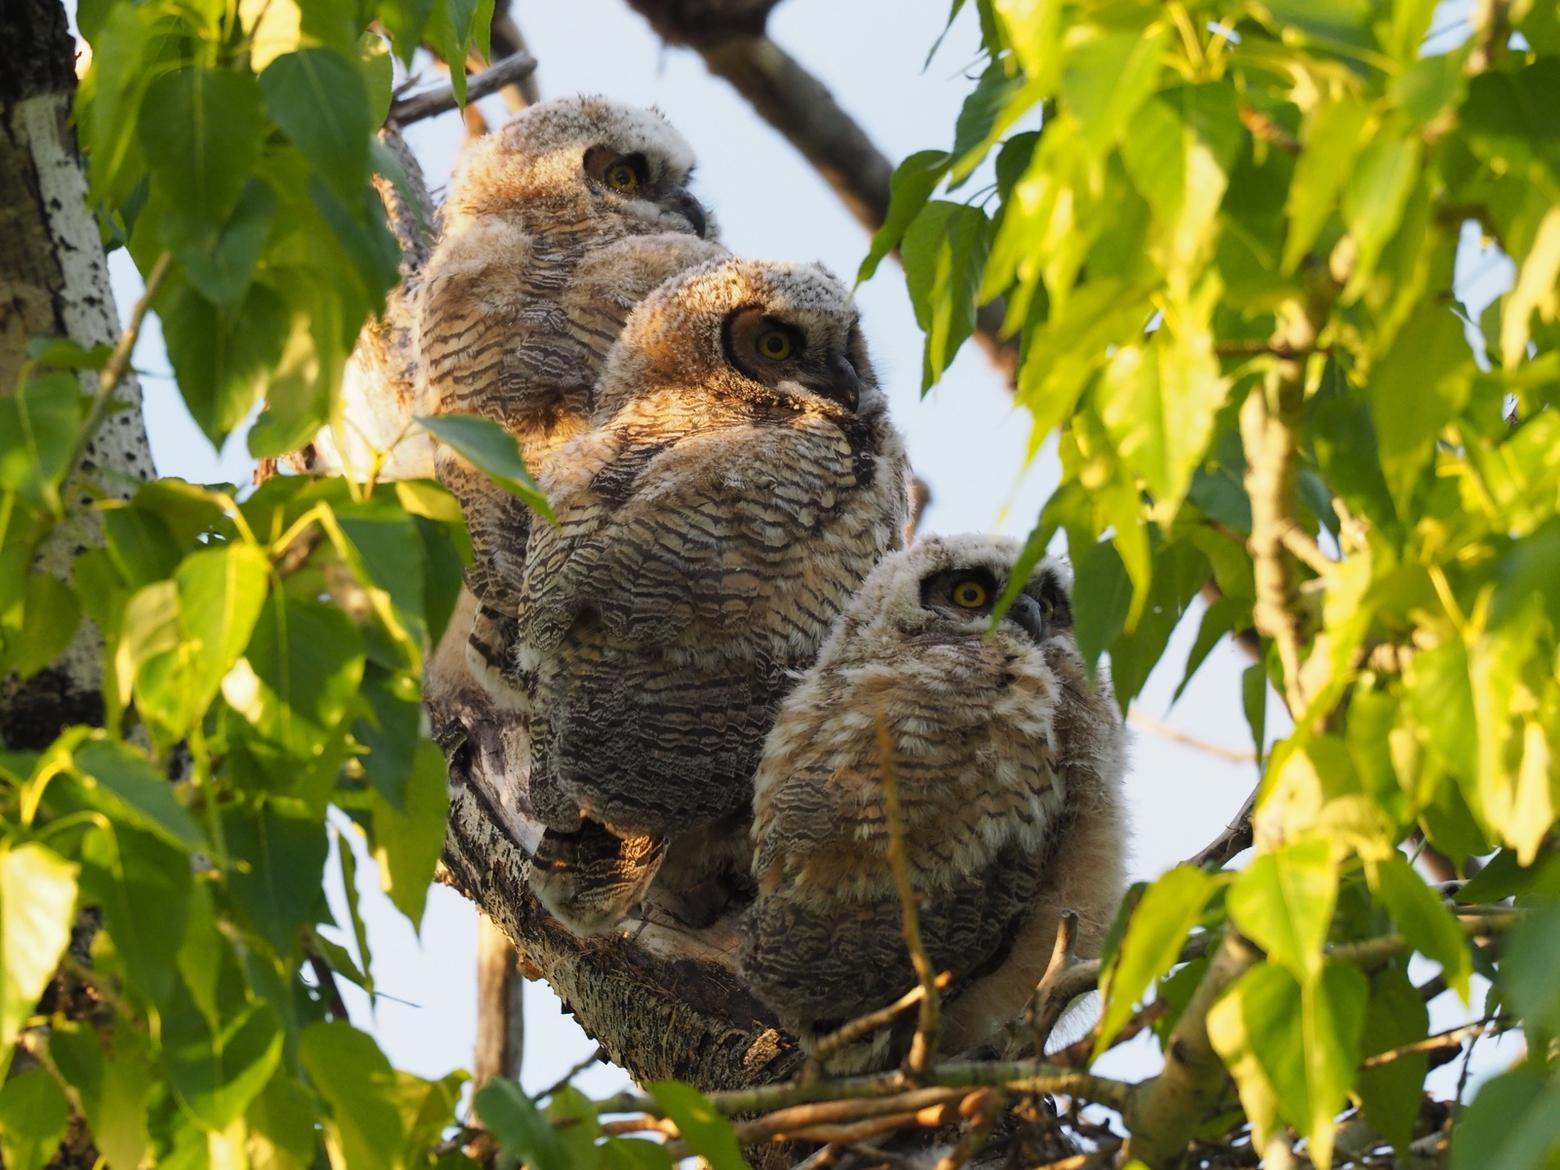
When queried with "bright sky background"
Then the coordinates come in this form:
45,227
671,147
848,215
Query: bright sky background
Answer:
965,438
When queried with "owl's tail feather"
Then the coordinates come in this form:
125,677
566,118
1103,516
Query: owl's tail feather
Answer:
590,878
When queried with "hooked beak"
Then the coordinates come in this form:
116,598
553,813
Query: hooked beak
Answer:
1026,612
844,382
690,209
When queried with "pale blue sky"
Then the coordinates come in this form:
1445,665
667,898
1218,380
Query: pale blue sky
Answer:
965,438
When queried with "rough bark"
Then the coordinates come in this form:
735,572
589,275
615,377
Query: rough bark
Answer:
54,283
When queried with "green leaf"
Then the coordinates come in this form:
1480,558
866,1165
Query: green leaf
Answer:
1253,702
511,1117
454,28
223,360
221,591
37,911
427,1109
297,680
912,185
111,1086
276,856
1424,919
220,260
573,1116
634,1154
141,545
122,782
1155,934
1417,388
217,1072
37,435
1390,1092
1102,597
988,110
1514,1123
347,859
407,841
944,252
348,1069
1527,975
1338,419
50,615
1107,78
493,451
1283,901
201,129
33,1116
703,1130
1374,197
1293,1050
142,886
1332,138
320,101
281,1127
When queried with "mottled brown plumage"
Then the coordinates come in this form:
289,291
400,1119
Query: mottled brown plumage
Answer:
741,481
556,226
1008,765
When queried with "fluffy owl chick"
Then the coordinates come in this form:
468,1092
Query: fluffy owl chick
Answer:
555,227
1008,765
740,482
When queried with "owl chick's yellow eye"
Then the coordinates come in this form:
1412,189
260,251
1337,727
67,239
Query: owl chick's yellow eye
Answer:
970,594
622,178
774,344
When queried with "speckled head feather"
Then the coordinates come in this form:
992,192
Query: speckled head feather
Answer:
539,156
1009,765
683,333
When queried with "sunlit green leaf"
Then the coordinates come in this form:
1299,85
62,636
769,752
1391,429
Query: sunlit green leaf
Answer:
1283,901
944,250
218,1072
201,129
1424,920
912,185
142,886
1155,934
320,101
493,451
407,840
1513,1123
511,1117
37,910
33,1115
705,1131
364,1130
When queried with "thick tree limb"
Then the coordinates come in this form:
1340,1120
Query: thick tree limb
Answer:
500,75
500,1006
54,283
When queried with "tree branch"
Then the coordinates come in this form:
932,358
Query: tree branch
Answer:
1164,1112
440,100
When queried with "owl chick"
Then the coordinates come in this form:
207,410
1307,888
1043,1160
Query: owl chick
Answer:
1008,765
741,480
555,227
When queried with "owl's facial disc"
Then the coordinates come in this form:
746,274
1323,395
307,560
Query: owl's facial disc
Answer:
630,177
773,352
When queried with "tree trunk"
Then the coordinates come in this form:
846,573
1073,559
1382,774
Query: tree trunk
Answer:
54,283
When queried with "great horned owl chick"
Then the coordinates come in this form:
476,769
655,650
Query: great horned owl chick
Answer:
1008,764
555,227
740,482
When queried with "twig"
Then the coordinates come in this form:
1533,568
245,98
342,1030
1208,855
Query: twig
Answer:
794,1118
598,1055
1175,735
1452,1038
981,1110
1236,837
924,1045
1269,421
509,71
854,1030
1080,1161
118,364
1298,543
1023,1076
327,984
1046,1006
1493,27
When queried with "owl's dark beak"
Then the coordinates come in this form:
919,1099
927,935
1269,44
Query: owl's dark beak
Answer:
844,382
1026,612
690,209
